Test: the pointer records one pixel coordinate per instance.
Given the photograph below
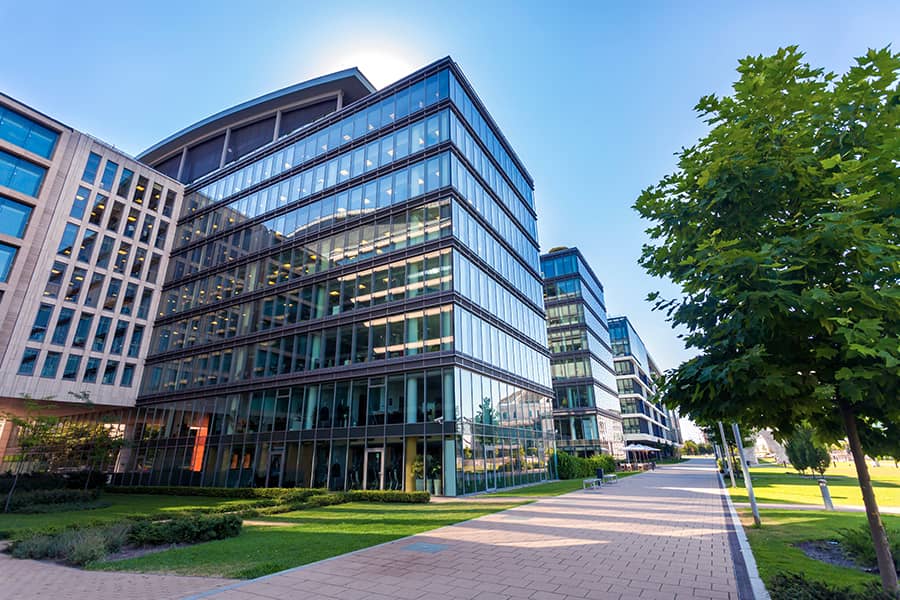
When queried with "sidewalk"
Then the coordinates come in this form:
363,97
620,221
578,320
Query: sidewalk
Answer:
659,535
45,580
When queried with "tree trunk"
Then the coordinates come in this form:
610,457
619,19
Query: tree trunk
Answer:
876,527
12,488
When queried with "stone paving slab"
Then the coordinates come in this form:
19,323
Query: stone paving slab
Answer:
43,580
658,535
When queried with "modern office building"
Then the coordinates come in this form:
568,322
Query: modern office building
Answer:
354,297
585,405
85,234
645,420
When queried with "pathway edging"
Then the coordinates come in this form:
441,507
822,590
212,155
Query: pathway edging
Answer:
756,583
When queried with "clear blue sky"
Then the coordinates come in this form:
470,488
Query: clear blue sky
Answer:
596,97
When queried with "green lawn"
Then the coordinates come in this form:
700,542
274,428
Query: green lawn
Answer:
774,550
121,506
311,535
550,488
773,483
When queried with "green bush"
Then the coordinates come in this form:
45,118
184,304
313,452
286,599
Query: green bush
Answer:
184,530
75,546
51,481
41,509
389,496
858,542
796,587
574,467
213,492
23,502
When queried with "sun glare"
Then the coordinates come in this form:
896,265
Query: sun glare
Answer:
381,67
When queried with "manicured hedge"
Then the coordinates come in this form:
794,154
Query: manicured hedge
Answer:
213,492
279,495
182,530
51,481
42,500
389,496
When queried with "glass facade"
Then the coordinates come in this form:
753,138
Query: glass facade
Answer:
20,175
21,131
356,305
645,419
585,407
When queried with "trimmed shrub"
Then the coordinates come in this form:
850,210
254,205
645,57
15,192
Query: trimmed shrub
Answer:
574,467
75,546
42,509
796,587
51,481
389,496
213,492
27,501
184,530
858,542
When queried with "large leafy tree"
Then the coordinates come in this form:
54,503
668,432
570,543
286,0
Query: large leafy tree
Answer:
782,228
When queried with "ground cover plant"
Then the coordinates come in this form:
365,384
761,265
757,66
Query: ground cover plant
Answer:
84,545
776,548
121,507
303,537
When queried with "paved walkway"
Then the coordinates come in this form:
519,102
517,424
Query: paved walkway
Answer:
40,580
658,535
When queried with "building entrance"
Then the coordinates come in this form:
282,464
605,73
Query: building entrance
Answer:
373,474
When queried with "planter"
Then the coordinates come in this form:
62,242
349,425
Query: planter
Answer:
420,485
438,486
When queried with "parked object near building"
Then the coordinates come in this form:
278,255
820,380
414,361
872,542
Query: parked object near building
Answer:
645,420
585,407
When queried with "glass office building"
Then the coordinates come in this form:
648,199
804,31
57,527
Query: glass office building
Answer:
645,420
353,301
585,406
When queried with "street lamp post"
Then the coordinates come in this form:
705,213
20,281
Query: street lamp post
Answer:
727,454
747,481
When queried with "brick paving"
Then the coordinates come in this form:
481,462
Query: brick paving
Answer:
658,535
40,580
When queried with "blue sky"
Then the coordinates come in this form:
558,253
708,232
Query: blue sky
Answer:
595,97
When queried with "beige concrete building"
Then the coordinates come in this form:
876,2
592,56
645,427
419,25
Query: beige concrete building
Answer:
85,234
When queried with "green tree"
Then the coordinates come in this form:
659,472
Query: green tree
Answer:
782,228
36,439
805,452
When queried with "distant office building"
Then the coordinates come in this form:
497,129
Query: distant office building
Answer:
85,233
645,420
585,406
354,298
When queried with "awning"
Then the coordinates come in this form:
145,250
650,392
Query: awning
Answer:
640,448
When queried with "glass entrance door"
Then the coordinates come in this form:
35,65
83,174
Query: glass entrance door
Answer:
273,476
490,467
374,470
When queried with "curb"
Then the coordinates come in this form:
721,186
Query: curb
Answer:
757,587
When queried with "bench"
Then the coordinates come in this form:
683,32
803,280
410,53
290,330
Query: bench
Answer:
591,483
611,478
